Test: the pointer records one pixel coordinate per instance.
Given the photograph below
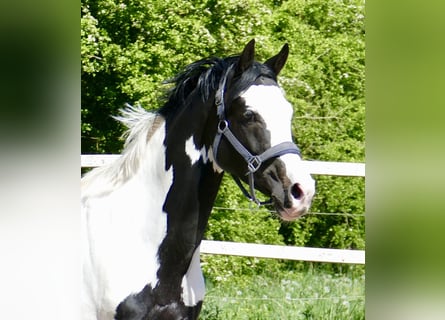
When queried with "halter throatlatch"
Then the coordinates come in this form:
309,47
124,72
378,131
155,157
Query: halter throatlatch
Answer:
254,162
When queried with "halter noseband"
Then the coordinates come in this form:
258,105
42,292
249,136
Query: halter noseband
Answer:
254,162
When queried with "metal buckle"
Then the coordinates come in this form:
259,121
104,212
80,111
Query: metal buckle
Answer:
254,163
222,126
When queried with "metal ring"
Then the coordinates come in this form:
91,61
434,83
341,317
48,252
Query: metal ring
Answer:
254,163
222,126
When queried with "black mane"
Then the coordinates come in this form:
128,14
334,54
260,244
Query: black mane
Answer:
205,75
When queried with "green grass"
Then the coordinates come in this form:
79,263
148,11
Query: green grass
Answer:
314,294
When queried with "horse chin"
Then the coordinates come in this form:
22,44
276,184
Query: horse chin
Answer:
290,214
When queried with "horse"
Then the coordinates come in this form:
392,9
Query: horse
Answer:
144,215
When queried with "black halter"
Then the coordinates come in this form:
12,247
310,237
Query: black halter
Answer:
254,162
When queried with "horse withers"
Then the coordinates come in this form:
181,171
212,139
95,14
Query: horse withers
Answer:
144,215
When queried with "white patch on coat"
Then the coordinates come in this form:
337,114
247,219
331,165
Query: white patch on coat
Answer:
123,223
193,287
191,151
270,103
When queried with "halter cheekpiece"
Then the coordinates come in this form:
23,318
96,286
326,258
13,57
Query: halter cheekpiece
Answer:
254,162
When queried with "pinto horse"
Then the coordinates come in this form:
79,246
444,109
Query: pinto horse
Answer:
144,215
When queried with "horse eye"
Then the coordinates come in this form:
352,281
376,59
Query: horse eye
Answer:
248,115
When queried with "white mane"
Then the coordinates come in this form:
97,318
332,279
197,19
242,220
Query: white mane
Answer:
141,126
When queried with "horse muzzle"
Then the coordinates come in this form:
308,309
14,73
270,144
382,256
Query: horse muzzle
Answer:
292,190
293,207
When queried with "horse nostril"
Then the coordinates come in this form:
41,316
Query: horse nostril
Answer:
296,191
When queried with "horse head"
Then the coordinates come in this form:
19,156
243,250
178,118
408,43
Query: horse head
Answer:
253,139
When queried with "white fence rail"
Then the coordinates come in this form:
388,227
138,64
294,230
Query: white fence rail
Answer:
275,251
283,252
350,169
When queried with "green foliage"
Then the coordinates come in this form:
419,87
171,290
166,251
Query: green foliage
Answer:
245,224
230,225
129,47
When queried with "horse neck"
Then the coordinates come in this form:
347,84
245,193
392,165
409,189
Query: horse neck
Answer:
196,182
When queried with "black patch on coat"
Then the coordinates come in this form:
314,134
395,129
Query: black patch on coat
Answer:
142,306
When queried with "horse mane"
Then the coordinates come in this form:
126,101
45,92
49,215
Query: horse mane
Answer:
204,76
141,125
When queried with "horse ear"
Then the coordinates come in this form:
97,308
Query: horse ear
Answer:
276,63
246,57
